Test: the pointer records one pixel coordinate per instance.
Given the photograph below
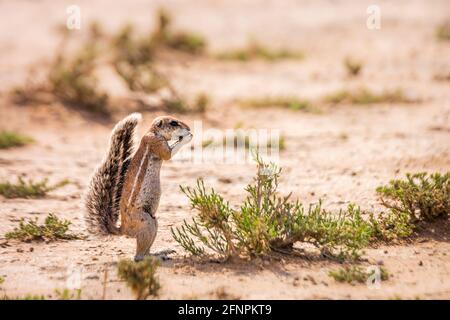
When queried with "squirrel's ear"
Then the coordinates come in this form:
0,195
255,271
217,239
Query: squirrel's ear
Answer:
159,124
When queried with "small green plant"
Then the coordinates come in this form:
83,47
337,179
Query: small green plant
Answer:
181,41
363,96
265,222
133,61
391,225
290,103
176,105
30,296
356,274
201,103
420,196
2,280
186,41
140,277
28,189
72,81
9,139
255,50
52,229
66,294
352,66
131,49
443,31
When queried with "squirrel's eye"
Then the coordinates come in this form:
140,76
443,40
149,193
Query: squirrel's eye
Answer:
173,123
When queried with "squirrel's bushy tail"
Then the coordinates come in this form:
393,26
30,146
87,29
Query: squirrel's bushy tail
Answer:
105,189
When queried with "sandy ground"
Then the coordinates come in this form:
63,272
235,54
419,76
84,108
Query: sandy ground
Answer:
381,142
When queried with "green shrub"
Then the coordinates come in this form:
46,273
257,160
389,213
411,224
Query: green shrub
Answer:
443,31
131,49
290,103
177,104
66,294
391,225
52,229
133,61
28,297
9,139
140,277
420,196
182,41
2,280
356,274
201,103
265,222
186,41
72,81
254,50
28,189
364,96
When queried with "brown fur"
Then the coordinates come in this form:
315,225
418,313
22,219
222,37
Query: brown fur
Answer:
129,186
141,191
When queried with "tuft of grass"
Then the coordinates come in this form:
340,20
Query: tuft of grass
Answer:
177,104
352,66
140,277
2,280
290,103
187,42
53,229
363,96
443,31
266,222
133,61
421,196
28,189
132,49
356,274
9,139
255,50
201,103
27,297
72,81
181,41
442,77
66,294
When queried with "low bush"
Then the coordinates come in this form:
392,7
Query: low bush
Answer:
357,274
28,189
267,222
9,139
140,277
52,229
255,50
420,196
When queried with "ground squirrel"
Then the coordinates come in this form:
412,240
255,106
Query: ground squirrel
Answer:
128,184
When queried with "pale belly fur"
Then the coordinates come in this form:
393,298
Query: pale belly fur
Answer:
150,193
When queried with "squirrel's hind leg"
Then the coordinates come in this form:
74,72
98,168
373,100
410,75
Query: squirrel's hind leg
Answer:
145,237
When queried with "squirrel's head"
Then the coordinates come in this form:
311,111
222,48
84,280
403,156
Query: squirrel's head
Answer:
170,128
